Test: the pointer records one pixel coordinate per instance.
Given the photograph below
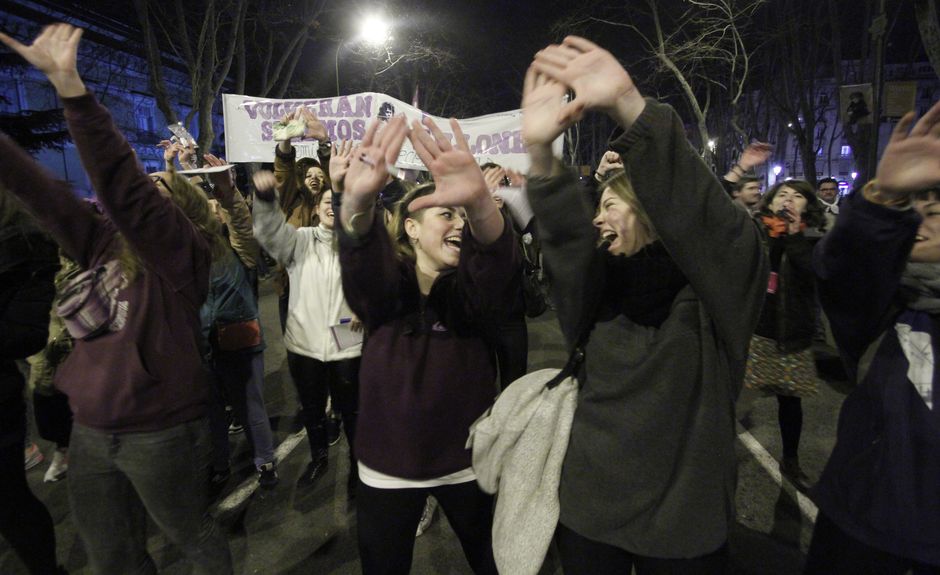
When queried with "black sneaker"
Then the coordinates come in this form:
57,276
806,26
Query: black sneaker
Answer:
267,475
315,470
333,425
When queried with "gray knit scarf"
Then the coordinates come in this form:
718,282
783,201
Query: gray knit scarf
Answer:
920,286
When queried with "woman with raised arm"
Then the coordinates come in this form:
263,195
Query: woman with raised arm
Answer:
878,273
673,294
234,340
299,186
135,380
781,355
425,297
320,363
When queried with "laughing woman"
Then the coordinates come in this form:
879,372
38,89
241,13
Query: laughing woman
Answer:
428,373
649,476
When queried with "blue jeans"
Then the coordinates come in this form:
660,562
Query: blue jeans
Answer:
115,480
239,377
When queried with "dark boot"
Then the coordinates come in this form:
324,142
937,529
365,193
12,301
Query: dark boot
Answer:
315,470
790,468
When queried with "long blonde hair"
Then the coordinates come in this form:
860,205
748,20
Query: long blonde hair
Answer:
195,206
403,245
620,184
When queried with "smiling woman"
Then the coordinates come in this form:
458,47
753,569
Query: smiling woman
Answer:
426,293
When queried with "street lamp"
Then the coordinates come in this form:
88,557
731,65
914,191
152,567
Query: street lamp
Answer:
777,170
373,30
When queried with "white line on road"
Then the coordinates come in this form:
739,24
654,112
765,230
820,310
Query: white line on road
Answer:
807,507
248,486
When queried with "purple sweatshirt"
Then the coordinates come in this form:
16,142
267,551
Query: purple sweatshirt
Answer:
146,375
427,373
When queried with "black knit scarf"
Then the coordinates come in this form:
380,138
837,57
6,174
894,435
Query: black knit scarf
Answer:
643,286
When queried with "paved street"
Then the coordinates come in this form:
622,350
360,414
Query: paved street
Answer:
293,531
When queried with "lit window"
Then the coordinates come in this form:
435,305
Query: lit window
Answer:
846,151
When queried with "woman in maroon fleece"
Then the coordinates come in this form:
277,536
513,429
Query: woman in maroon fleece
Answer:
427,373
140,441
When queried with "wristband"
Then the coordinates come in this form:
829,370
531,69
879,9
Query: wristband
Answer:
350,227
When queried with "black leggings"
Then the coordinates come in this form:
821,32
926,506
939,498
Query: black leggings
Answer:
24,521
388,518
315,380
790,418
583,556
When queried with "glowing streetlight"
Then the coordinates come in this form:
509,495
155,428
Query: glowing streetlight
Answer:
777,170
712,144
854,175
375,31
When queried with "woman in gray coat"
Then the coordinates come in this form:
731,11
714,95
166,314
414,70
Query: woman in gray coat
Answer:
649,476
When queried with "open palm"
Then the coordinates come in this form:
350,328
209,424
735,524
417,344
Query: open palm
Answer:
457,176
542,100
596,77
911,161
53,52
368,168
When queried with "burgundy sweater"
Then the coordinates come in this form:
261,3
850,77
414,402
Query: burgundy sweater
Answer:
427,370
147,375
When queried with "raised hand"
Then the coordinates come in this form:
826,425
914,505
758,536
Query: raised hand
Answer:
170,150
223,181
493,177
54,52
597,78
339,163
314,127
755,154
187,154
368,168
609,161
911,160
458,179
542,102
265,183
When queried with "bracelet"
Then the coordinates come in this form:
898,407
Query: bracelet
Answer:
350,227
738,166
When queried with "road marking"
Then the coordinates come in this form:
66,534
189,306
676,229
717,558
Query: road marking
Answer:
249,485
807,507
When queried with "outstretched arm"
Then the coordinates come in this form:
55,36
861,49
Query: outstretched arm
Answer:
240,235
158,231
708,238
275,235
859,262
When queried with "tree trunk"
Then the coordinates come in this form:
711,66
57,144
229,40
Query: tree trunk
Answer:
929,26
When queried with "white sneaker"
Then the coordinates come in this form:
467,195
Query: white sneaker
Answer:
59,466
430,506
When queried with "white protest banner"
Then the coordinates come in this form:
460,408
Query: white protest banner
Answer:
249,126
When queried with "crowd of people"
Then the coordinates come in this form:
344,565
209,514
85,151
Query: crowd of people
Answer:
403,306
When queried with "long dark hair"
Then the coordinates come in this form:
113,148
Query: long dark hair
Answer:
813,216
